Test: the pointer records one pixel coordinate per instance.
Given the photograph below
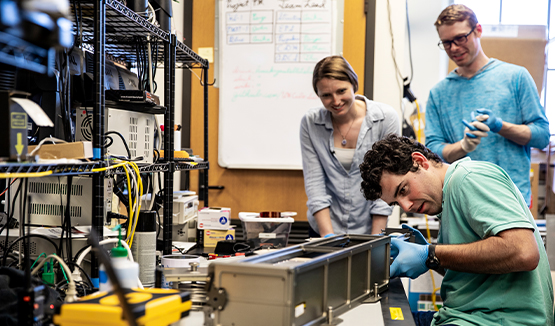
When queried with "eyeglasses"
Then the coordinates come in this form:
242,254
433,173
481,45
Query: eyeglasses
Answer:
458,41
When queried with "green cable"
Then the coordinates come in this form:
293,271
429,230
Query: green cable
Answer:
63,272
37,260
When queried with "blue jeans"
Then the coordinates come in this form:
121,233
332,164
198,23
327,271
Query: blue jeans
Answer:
424,318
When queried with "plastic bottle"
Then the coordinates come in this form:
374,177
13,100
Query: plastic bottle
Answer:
144,247
126,270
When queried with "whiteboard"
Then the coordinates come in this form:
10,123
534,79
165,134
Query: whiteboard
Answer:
267,52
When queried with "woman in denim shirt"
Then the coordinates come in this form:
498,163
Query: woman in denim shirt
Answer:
334,139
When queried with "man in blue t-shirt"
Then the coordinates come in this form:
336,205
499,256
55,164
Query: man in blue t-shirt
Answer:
489,248
498,101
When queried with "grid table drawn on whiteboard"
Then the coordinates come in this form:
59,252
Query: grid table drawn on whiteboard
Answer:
268,50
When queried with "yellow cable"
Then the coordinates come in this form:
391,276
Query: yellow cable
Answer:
419,131
434,289
24,175
130,217
109,167
140,186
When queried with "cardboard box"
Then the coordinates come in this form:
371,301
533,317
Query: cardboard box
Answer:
211,237
76,150
214,218
522,45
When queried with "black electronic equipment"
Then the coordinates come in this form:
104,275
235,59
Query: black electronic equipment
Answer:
138,6
32,306
127,79
163,10
129,90
13,133
44,91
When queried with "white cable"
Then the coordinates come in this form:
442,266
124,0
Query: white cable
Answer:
154,190
152,11
103,242
52,139
71,293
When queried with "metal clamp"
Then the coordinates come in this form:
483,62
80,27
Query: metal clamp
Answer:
376,297
331,320
216,298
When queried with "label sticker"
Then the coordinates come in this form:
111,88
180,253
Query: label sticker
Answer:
19,120
267,235
396,313
299,309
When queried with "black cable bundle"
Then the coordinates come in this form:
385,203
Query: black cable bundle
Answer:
66,221
10,210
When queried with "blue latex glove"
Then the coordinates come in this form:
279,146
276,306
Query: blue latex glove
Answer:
409,259
494,123
474,132
329,235
472,127
418,237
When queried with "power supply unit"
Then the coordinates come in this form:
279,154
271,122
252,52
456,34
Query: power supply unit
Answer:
136,127
48,200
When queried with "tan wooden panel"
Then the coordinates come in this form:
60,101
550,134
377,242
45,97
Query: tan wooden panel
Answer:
534,184
256,190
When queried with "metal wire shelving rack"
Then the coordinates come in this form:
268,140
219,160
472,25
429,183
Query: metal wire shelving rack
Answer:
109,27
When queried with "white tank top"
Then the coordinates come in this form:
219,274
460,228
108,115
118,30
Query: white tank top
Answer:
345,156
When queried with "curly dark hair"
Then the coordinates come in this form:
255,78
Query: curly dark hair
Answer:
391,154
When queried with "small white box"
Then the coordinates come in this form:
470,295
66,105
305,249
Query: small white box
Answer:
215,218
185,209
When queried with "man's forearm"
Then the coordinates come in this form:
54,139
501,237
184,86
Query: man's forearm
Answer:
513,250
520,134
453,152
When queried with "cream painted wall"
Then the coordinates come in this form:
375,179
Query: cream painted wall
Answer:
429,62
387,82
177,28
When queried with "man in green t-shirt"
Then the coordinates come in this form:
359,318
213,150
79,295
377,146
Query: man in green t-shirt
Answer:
489,249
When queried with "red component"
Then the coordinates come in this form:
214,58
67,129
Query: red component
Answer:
26,298
239,254
52,306
270,214
36,306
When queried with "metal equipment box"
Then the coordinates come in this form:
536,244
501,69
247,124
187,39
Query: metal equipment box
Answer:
136,127
304,284
48,200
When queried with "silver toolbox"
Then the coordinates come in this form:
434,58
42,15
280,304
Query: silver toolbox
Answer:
303,284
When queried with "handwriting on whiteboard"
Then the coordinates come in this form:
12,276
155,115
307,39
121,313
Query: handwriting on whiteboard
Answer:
301,32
